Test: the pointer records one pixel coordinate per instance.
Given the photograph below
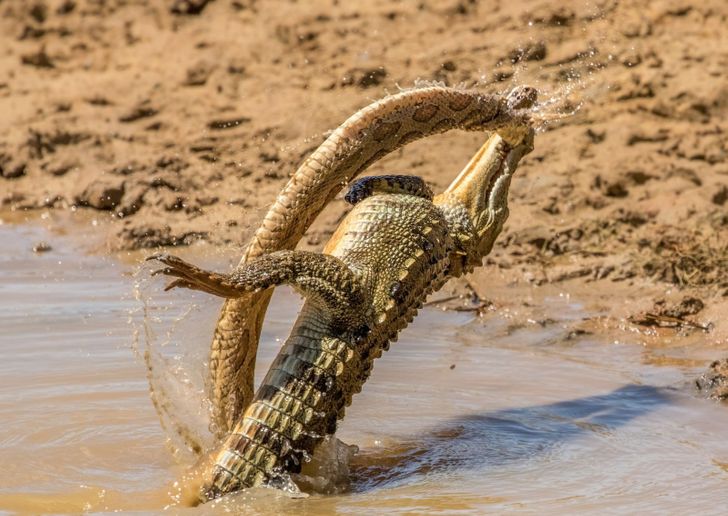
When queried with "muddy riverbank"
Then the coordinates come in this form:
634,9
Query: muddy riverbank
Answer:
173,128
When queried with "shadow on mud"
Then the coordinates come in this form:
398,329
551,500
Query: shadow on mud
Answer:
500,438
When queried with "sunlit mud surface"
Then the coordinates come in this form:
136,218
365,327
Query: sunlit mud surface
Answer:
459,417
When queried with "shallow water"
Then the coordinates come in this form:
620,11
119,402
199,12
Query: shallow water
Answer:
526,420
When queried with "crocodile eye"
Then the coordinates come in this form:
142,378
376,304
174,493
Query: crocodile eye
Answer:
395,288
427,245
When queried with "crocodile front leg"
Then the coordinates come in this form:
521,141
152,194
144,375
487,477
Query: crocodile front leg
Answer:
324,279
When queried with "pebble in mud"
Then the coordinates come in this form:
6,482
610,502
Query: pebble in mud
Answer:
42,247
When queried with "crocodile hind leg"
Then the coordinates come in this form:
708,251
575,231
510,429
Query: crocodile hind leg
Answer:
368,186
322,278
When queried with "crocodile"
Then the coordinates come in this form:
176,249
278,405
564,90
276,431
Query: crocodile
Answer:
398,244
367,136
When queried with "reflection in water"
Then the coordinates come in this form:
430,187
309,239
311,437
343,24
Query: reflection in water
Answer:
486,441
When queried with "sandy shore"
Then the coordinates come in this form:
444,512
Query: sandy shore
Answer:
174,128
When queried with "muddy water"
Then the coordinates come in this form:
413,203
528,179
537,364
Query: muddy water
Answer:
459,417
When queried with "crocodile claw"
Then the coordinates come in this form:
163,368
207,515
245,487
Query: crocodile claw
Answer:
191,277
170,260
178,283
155,256
175,266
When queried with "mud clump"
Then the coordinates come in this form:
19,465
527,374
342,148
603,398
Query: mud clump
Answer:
714,383
10,168
688,306
676,316
42,247
529,52
189,7
102,194
687,260
137,113
364,78
39,59
151,237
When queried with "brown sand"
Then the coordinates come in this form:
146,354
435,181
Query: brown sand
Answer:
173,128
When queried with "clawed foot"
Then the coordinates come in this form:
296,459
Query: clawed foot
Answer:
192,277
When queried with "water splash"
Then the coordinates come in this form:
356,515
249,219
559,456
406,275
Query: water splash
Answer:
171,337
163,340
328,470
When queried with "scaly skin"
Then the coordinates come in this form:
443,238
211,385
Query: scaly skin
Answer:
365,137
394,248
